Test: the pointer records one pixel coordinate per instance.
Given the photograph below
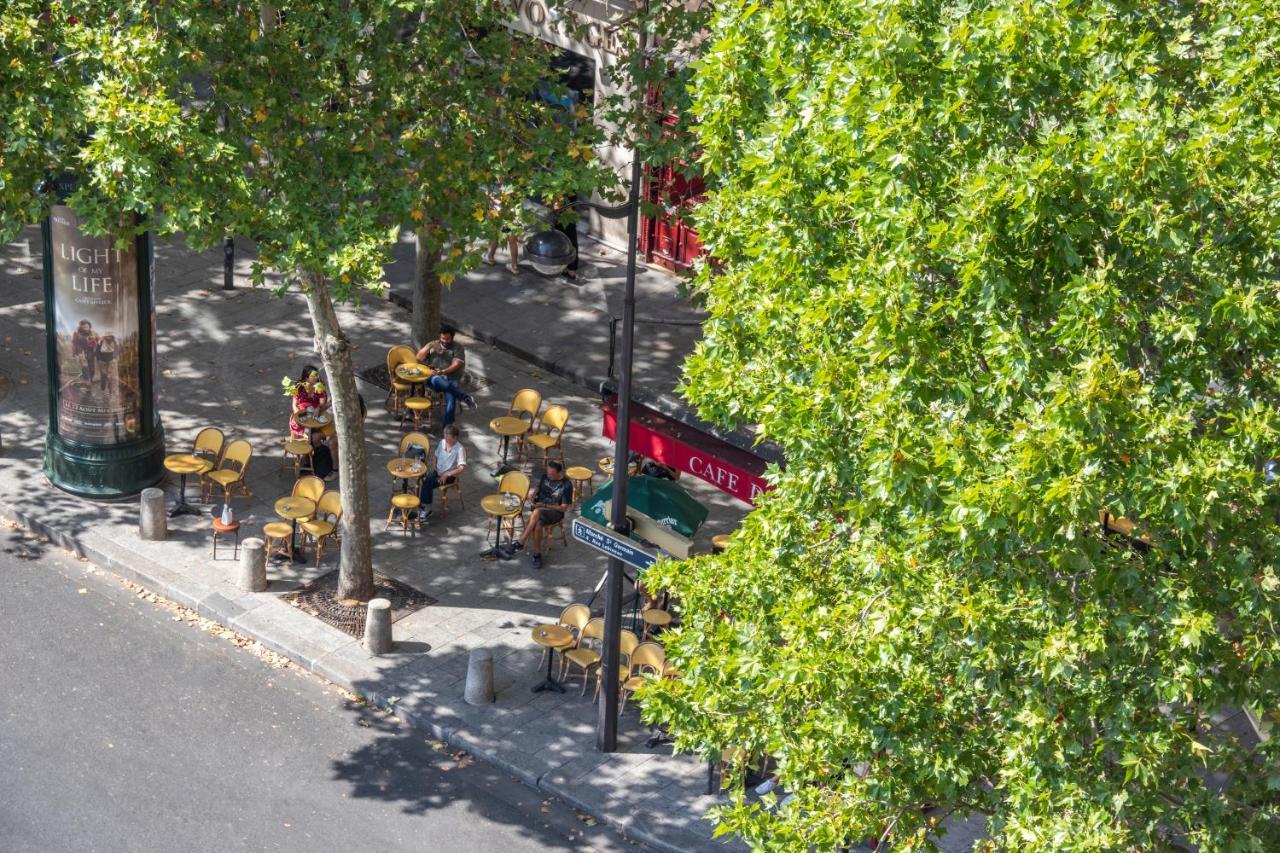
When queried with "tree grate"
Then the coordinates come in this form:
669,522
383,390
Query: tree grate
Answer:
317,599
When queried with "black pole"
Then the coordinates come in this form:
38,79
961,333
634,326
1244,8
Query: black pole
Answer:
228,263
607,722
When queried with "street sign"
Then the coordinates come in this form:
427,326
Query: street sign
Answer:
612,544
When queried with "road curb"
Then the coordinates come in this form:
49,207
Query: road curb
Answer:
418,714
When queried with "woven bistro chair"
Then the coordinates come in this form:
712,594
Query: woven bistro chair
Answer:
456,488
230,473
586,653
397,356
512,483
573,617
647,661
525,405
309,487
299,451
628,642
209,444
413,439
323,526
550,431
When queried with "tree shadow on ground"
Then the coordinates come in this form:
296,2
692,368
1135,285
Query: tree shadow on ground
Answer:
406,767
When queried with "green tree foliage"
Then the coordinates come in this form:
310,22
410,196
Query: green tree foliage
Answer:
96,88
989,268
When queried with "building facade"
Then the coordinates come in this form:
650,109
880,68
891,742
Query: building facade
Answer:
590,46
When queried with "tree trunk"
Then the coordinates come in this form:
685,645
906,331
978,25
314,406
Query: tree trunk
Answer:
355,565
428,293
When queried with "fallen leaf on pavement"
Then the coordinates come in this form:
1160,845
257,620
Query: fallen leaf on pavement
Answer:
82,591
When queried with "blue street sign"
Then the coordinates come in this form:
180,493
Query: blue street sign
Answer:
612,544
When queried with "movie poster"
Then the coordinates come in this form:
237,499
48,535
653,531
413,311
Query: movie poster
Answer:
95,291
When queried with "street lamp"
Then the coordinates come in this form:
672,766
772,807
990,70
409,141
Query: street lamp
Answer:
551,252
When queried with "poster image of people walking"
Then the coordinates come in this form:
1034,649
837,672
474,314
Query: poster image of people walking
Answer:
95,296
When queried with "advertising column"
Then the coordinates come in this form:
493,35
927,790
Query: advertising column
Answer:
104,438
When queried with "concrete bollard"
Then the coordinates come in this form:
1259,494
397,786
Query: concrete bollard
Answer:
377,627
253,565
153,523
479,689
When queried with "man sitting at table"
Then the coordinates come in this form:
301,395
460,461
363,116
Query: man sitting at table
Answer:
551,499
447,358
451,461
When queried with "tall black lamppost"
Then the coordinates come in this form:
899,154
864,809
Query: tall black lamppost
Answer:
550,252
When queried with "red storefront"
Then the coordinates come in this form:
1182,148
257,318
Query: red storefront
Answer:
674,443
668,240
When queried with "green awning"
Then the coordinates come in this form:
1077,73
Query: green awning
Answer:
664,501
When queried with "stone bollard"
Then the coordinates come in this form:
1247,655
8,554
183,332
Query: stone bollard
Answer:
153,523
479,689
253,565
377,627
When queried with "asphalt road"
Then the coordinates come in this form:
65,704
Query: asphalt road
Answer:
122,729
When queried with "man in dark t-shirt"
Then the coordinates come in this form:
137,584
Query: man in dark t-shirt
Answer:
551,500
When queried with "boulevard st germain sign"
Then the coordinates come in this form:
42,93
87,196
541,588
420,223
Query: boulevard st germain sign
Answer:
612,544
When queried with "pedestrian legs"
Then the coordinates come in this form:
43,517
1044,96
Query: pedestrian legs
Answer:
453,393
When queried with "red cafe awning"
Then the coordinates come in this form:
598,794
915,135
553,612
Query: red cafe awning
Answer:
681,446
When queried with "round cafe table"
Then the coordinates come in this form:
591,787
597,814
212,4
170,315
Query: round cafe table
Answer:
507,427
606,466
413,373
314,422
654,618
404,469
294,509
581,478
554,638
183,464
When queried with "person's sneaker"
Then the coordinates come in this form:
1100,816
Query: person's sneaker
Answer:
535,560
515,546
425,514
413,516
766,786
469,402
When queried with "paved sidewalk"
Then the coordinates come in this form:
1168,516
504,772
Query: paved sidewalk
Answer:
563,327
221,356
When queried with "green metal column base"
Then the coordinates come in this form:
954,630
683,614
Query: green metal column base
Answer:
115,471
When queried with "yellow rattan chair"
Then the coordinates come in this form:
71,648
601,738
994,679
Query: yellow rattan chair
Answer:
230,474
456,488
397,356
550,430
573,617
403,504
647,661
278,537
299,451
525,405
311,488
323,526
512,483
209,444
419,408
586,653
627,644
548,534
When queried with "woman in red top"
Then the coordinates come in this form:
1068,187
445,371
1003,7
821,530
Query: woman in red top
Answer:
306,395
